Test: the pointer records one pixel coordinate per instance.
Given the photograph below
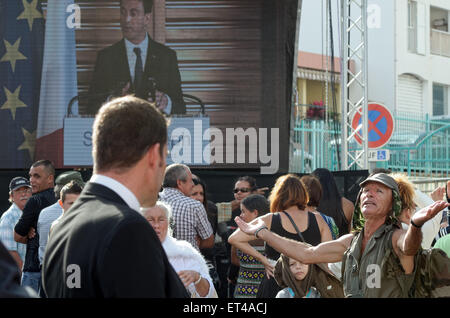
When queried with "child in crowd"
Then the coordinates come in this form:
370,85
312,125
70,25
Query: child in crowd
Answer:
251,271
306,281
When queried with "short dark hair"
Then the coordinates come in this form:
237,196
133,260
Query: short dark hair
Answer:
48,166
148,5
251,181
124,130
314,189
256,202
73,187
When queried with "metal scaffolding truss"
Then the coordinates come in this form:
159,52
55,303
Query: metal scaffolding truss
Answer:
354,83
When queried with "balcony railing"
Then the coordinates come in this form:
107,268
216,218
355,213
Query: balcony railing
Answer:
440,43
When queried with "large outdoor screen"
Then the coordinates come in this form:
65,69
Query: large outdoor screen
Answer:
221,70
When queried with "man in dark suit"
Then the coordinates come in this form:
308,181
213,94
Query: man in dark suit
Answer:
137,64
102,246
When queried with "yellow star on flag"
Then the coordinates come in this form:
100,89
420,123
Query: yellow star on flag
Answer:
29,143
30,12
12,101
12,53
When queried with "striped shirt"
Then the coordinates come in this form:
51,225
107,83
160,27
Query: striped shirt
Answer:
7,223
189,216
46,217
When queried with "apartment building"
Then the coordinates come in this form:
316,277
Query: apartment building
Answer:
409,56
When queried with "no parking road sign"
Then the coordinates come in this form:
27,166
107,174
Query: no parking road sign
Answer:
381,125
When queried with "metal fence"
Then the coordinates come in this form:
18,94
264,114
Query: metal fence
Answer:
419,146
314,142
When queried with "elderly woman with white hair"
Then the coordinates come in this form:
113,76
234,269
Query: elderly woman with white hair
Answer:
186,260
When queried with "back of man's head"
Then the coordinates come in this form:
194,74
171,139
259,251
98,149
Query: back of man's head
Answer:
175,172
124,130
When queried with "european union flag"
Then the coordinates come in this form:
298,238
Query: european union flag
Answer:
21,52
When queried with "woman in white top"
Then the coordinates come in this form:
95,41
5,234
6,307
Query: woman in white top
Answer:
186,260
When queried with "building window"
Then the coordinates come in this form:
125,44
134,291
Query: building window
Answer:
412,26
438,19
440,36
440,100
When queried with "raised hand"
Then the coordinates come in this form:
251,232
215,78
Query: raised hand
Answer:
427,213
438,194
262,191
249,228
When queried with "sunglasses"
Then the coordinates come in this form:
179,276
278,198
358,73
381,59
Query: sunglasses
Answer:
243,190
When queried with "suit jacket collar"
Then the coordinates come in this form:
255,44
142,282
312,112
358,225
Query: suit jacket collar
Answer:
125,193
95,189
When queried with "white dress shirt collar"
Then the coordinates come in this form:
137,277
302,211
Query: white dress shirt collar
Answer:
118,188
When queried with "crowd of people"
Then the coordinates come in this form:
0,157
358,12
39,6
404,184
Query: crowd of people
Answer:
140,229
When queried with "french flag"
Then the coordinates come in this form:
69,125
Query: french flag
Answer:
58,82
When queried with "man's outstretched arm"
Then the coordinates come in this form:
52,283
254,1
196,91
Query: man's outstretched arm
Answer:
327,252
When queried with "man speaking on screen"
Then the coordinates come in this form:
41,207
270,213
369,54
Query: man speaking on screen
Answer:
137,64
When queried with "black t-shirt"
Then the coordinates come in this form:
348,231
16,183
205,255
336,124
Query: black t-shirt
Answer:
29,219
